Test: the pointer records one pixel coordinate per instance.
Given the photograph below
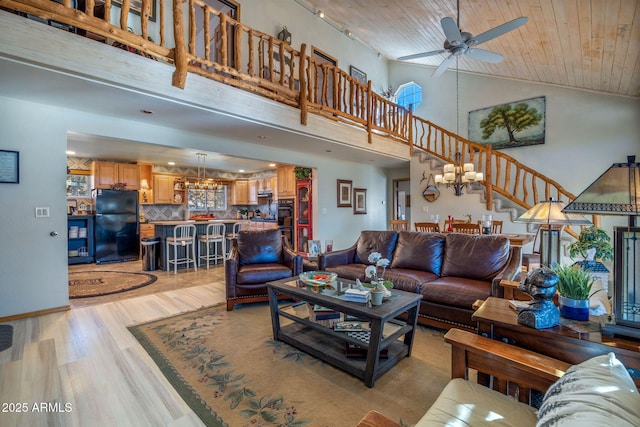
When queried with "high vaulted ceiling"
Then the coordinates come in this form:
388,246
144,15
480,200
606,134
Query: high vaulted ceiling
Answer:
586,44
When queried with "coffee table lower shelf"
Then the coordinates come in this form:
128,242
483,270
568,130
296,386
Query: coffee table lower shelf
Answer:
331,349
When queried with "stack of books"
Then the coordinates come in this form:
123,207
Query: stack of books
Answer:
324,316
356,295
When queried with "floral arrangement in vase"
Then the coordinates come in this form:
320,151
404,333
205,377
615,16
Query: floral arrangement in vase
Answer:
371,272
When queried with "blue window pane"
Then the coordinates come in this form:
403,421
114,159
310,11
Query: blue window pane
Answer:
410,94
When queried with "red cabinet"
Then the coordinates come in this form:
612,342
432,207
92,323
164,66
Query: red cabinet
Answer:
304,225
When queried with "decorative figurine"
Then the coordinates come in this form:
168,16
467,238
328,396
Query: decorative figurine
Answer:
542,312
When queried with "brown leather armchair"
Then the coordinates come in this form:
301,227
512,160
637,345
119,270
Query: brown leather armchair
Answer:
255,258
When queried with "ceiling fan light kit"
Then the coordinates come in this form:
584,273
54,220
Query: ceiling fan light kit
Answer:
459,43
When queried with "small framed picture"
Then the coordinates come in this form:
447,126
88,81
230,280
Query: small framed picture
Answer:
344,193
9,167
357,74
359,201
314,248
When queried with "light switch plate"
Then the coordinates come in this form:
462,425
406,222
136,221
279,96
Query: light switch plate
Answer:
42,212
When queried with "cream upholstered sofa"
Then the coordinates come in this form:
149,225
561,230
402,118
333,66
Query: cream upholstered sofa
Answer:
597,392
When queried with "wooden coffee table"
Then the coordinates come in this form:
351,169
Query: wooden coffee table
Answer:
326,344
571,341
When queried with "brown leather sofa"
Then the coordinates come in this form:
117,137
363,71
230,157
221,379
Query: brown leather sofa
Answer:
255,258
451,271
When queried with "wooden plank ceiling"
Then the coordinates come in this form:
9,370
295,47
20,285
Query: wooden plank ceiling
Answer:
586,44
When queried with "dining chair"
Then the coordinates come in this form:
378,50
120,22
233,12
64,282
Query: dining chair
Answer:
212,239
466,228
531,261
448,222
429,227
182,241
496,226
399,224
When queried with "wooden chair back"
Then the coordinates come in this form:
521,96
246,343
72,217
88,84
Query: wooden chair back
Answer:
496,226
466,228
429,227
453,221
398,224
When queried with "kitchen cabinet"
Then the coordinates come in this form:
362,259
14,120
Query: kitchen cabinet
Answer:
107,174
80,240
252,191
245,192
286,182
240,195
168,190
146,178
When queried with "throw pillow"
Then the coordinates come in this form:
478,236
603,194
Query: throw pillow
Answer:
598,391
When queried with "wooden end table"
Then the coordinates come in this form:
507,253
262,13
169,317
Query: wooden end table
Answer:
326,344
571,341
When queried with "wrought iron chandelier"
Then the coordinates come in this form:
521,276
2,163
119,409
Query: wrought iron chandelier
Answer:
458,175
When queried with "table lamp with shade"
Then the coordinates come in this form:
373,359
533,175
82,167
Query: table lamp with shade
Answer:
552,220
144,185
617,192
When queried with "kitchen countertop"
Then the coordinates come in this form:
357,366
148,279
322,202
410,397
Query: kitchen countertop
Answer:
192,221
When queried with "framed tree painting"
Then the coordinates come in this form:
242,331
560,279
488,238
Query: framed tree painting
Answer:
359,201
516,124
344,193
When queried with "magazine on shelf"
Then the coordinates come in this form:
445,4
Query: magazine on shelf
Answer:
348,326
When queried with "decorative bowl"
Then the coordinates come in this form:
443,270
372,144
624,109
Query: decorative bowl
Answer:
318,279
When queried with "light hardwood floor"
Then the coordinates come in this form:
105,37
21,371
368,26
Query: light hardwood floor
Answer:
89,369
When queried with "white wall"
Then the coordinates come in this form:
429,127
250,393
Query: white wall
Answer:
586,132
33,265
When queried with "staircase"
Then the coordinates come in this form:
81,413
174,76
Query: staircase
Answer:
508,186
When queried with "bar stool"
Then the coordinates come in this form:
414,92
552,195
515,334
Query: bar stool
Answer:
183,236
237,226
214,235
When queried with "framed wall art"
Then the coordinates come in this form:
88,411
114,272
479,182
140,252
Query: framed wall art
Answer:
344,193
9,167
357,74
359,201
516,124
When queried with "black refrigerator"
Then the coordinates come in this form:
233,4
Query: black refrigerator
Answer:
116,229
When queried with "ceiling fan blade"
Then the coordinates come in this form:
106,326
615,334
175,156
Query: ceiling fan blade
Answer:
443,66
421,55
484,55
451,31
497,31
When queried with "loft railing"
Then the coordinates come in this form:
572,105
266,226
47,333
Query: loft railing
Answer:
212,44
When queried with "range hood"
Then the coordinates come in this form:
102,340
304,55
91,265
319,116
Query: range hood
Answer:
265,193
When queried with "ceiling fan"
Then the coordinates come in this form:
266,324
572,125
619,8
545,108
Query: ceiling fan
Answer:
463,43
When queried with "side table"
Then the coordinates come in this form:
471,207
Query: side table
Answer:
571,341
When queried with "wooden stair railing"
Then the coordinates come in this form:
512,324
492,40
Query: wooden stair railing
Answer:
257,62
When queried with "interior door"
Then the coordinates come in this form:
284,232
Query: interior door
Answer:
324,95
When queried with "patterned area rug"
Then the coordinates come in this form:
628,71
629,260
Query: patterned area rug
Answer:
229,370
94,283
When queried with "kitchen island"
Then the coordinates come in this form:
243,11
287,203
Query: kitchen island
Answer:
164,229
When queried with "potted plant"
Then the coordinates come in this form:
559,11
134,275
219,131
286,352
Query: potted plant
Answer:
302,173
574,286
592,244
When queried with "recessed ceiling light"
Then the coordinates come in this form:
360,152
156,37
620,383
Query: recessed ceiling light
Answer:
146,111
328,151
71,153
320,14
262,136
272,165
171,163
240,170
